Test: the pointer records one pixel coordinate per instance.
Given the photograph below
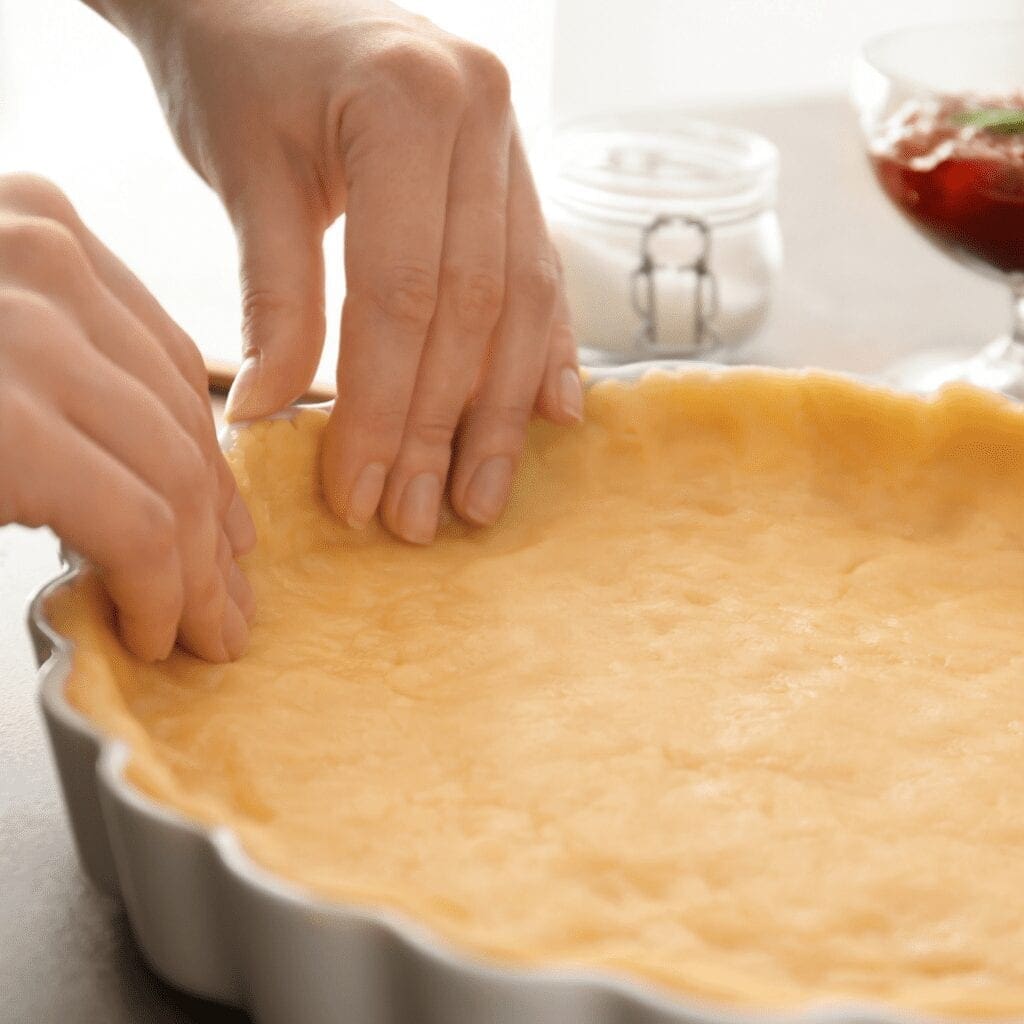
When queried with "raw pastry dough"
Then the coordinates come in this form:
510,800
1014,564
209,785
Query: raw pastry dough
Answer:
732,699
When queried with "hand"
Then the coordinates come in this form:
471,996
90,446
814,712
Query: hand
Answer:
106,433
455,326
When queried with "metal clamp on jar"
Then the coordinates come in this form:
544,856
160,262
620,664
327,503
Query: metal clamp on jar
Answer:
667,232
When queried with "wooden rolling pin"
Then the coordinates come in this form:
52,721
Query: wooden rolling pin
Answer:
220,375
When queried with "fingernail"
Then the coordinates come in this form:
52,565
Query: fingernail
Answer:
572,393
419,508
242,398
364,497
234,632
488,490
239,527
241,592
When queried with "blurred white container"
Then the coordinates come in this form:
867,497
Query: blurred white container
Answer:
667,231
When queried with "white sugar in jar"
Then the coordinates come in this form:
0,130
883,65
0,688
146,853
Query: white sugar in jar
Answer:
667,232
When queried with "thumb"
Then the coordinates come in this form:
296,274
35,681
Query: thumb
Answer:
281,268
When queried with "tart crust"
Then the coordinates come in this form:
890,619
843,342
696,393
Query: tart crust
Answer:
732,699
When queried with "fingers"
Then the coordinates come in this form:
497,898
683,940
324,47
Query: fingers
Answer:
495,322
393,242
121,417
36,197
179,377
470,297
105,436
158,451
280,241
495,425
52,475
186,391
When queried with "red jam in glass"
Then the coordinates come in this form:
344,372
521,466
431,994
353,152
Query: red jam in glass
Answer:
962,185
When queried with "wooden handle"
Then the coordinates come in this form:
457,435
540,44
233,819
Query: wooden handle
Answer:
220,376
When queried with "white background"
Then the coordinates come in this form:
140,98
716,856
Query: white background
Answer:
76,105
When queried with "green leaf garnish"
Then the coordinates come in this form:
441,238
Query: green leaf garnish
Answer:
1009,122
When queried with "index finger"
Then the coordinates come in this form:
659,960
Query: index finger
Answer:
393,239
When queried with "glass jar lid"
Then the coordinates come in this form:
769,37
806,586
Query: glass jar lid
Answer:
635,167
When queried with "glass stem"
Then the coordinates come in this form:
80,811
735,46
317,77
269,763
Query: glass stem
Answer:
1017,326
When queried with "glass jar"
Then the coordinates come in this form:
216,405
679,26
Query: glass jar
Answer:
667,232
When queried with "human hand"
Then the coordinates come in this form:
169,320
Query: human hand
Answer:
106,434
455,325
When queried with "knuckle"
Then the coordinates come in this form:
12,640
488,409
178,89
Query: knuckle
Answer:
259,302
538,285
433,432
374,427
476,298
263,306
384,424
30,193
189,484
490,76
41,247
196,418
194,372
425,73
407,295
507,420
206,594
30,319
153,540
21,310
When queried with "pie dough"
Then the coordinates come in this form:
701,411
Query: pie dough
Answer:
732,699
